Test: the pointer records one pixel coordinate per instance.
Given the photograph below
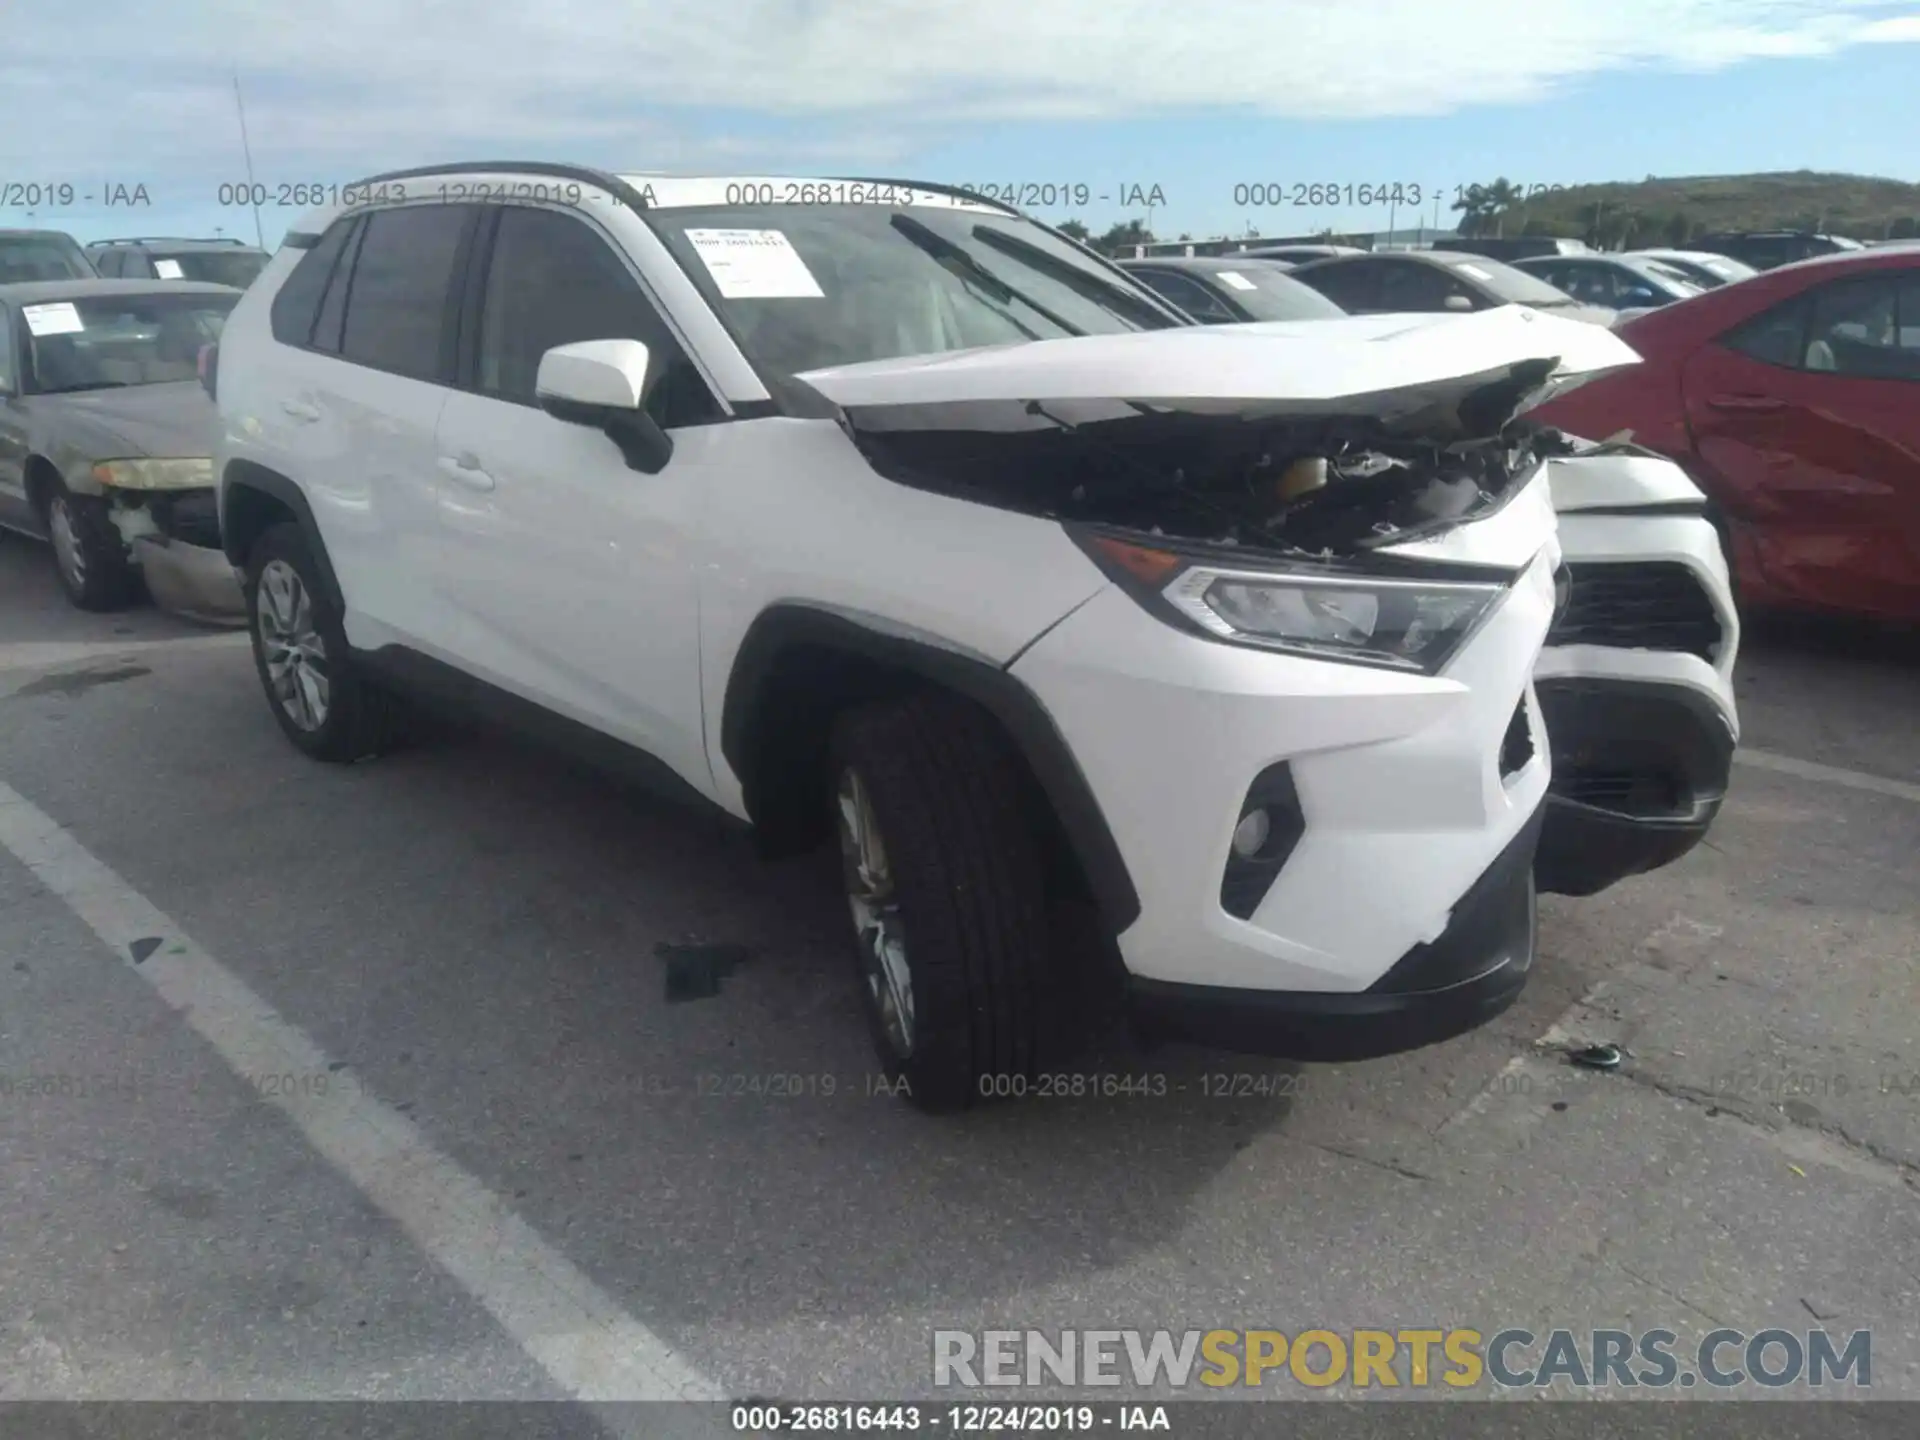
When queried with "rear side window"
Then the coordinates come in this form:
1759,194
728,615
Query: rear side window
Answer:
298,302
403,277
551,280
1775,337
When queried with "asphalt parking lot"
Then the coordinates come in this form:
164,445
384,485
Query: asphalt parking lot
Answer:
388,1081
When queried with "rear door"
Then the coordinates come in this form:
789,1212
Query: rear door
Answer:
566,576
1808,419
362,414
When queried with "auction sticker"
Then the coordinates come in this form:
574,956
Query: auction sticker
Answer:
755,265
57,318
168,269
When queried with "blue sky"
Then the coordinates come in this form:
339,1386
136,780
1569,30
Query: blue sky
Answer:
1110,95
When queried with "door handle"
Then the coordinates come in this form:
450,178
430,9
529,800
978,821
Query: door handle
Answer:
465,471
1746,402
300,410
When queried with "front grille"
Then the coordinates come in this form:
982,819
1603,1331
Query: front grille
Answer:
1516,746
192,518
1639,605
1624,792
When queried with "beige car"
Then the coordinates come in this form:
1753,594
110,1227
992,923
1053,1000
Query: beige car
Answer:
106,439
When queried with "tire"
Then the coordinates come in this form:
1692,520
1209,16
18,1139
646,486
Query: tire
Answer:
89,557
293,625
968,901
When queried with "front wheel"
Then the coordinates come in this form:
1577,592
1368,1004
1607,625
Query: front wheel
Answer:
943,881
88,554
323,702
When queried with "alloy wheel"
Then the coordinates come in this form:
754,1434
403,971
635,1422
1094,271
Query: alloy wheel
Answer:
67,550
872,898
291,647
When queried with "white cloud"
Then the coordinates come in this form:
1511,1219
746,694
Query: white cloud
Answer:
841,82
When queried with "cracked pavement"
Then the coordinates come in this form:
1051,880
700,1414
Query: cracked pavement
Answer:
470,929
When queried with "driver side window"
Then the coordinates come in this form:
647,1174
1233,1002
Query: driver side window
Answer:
551,280
1417,288
9,372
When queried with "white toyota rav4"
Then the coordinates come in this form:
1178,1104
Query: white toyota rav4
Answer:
880,506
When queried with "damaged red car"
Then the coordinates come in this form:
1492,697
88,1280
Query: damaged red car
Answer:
1793,400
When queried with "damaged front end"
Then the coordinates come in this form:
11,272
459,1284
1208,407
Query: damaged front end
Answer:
173,536
1311,442
1312,486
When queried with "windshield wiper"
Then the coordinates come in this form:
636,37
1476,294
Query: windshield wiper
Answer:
1110,298
969,268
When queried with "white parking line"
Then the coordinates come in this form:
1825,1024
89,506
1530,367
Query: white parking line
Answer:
1827,774
591,1347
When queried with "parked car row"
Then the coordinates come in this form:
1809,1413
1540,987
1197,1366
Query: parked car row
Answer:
915,524
28,255
1788,395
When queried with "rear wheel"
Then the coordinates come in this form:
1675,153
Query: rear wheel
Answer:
88,554
944,883
322,700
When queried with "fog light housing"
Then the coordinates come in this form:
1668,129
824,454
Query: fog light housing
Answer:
1270,825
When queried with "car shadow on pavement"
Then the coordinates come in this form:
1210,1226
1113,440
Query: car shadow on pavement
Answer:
729,1136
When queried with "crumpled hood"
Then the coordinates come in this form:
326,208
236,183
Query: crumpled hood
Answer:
1369,364
172,421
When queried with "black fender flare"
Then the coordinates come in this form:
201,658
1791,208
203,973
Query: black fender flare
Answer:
246,475
1027,722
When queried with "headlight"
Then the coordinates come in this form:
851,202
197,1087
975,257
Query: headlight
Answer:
155,474
1414,625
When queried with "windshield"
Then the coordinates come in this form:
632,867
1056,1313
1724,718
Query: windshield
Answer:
805,287
1516,287
1268,293
36,257
106,341
213,267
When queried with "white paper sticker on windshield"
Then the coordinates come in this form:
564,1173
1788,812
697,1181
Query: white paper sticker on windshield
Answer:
755,265
1474,270
168,269
1237,280
57,318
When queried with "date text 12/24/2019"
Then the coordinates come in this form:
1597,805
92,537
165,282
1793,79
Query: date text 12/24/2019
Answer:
65,194
770,1418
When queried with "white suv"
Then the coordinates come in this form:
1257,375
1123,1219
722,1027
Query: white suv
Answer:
881,507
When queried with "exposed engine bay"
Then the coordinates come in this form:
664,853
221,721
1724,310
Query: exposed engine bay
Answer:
1303,485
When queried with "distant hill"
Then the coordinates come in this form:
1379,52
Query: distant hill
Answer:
1671,211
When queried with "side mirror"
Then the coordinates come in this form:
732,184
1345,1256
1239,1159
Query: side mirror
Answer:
1458,303
603,383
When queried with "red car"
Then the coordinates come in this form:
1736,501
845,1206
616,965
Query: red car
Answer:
1793,400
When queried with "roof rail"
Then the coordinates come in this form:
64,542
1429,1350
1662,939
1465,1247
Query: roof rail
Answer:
605,179
168,240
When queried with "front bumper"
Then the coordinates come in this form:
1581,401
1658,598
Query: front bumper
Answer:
190,580
1640,770
1636,687
174,537
1468,974
1406,788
